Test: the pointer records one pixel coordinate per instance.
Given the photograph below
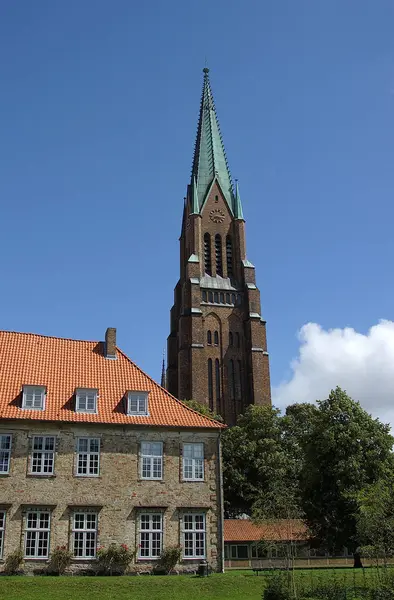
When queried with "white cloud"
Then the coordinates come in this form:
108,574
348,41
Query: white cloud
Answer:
361,364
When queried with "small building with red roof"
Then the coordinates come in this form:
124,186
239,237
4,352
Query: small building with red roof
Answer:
93,451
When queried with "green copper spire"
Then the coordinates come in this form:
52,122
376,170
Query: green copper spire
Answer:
209,161
238,212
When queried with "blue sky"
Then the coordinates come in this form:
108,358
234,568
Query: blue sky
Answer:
98,113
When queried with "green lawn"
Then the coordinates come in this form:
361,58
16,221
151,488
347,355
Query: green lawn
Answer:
240,586
234,585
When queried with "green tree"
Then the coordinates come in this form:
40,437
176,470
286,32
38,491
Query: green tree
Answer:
345,450
257,470
375,519
203,409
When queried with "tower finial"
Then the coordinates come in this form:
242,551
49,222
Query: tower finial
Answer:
205,71
238,212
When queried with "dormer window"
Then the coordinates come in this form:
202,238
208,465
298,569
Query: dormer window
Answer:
33,397
137,403
86,400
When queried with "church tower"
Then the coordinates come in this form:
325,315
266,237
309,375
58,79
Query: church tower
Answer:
217,350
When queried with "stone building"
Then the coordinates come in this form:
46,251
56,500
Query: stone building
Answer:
93,451
217,349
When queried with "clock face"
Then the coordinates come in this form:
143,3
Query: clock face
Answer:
216,215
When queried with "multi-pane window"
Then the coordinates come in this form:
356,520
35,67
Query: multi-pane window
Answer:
86,400
2,528
88,456
137,403
194,535
43,455
193,462
239,551
5,453
37,529
84,532
152,460
151,535
33,397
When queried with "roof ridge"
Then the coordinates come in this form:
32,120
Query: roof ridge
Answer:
221,425
54,337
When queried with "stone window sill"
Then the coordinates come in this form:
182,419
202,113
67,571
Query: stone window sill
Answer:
41,475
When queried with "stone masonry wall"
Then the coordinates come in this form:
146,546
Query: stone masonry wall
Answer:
118,492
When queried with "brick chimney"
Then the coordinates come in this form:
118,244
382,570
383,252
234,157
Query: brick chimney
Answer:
110,343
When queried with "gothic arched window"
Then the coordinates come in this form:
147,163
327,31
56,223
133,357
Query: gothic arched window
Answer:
239,378
210,384
238,340
217,378
207,254
229,256
209,338
216,338
231,379
218,254
230,339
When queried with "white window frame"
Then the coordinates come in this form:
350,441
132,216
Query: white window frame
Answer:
151,534
41,534
42,455
90,456
151,461
140,400
37,400
194,533
5,453
82,399
83,533
2,531
193,463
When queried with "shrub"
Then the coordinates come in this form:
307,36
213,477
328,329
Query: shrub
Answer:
331,590
278,587
169,559
13,562
382,592
115,559
61,558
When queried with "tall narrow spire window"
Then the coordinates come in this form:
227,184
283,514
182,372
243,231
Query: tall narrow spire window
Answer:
239,365
229,256
209,338
207,254
216,338
217,378
210,384
218,254
230,339
238,340
233,382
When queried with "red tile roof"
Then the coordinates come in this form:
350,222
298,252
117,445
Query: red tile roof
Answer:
244,530
62,365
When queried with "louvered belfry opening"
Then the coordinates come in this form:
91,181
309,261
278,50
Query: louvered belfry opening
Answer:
229,256
218,254
207,254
